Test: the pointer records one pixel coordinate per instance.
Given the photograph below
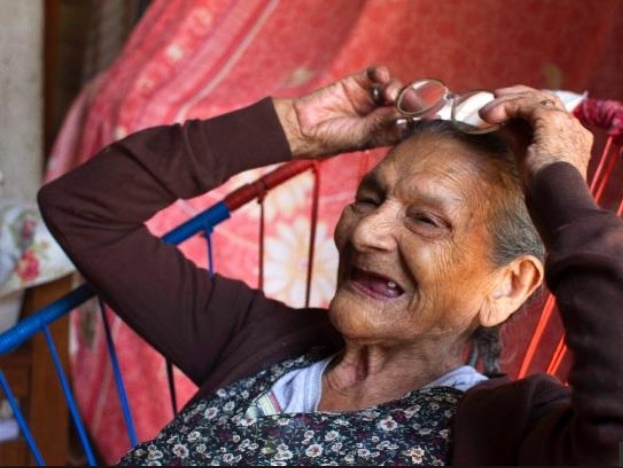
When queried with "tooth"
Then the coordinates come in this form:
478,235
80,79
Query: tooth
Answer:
391,285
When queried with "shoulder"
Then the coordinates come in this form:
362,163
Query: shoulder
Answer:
493,416
529,394
535,389
524,399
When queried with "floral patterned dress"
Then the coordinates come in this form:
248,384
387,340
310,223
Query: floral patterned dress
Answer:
413,430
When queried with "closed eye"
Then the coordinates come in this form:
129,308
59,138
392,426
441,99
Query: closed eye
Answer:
366,201
425,219
364,205
427,225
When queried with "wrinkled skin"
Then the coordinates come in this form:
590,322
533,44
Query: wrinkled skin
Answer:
416,274
418,223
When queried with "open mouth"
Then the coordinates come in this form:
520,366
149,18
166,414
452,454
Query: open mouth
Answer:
374,284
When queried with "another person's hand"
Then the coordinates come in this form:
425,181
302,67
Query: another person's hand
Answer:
342,116
540,129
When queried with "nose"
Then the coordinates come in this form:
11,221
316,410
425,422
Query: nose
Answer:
377,230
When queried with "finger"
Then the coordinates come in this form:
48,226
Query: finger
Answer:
386,94
378,74
375,79
381,128
523,105
523,89
513,90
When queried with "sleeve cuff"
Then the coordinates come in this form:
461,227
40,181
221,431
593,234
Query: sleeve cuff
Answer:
557,196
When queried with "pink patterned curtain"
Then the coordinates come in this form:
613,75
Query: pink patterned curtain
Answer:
199,58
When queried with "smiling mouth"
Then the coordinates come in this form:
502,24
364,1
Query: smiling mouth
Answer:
375,285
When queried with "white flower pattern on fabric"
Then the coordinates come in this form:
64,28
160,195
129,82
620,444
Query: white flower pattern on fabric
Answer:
394,433
286,262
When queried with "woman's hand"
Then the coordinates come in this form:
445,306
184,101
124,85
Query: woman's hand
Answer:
342,116
540,129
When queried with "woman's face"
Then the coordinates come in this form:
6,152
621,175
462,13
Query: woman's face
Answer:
415,251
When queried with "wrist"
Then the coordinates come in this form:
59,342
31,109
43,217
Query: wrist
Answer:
289,121
539,165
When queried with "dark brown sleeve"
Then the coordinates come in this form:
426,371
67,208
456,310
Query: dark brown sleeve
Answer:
97,214
537,420
584,270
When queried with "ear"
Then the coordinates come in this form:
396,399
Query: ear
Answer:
513,285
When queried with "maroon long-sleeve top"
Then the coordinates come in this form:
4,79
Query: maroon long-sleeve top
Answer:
218,330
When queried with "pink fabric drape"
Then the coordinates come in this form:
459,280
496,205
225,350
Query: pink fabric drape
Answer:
198,58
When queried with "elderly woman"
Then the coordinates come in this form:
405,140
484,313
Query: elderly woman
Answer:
436,249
